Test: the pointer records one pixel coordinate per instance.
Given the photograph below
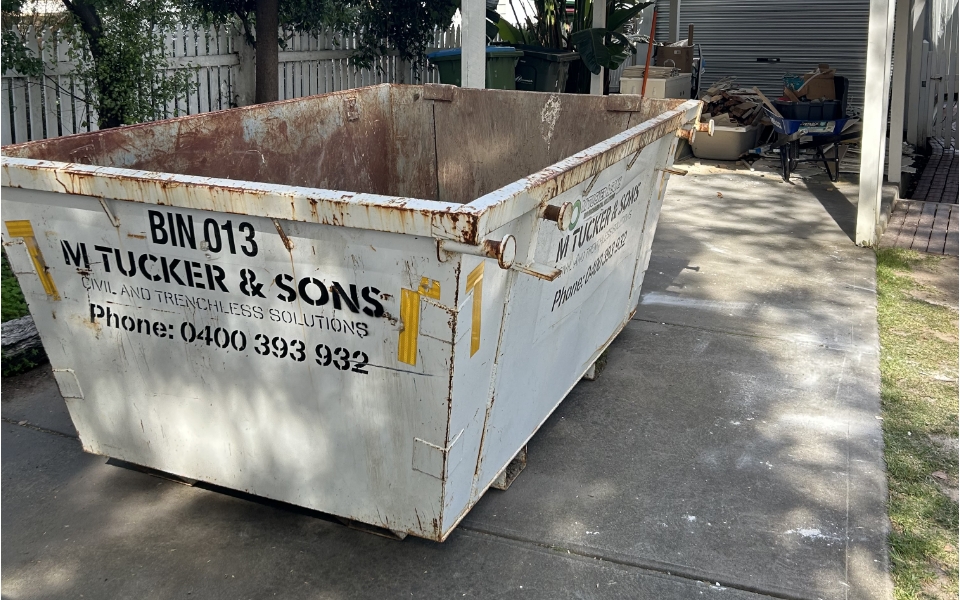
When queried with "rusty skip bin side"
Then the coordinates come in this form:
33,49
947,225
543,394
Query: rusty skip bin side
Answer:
383,158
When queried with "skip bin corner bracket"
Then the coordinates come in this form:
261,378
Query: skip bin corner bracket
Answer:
68,383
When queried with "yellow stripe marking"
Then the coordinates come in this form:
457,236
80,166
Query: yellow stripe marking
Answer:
23,229
430,288
475,283
410,317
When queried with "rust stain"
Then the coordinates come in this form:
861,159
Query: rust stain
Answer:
287,242
491,247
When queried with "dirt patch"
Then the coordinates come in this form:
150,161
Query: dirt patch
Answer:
950,491
26,384
936,589
947,444
939,282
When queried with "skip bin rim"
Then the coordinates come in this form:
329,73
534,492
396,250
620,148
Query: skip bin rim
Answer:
467,223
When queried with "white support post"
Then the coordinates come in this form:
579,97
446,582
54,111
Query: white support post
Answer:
873,143
917,19
674,22
599,20
473,60
898,93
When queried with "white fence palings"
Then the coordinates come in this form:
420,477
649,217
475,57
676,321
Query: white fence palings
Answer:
942,106
6,133
20,109
38,108
939,70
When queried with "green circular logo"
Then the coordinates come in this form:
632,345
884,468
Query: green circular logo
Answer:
575,217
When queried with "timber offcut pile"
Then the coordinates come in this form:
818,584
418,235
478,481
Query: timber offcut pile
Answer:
725,101
22,349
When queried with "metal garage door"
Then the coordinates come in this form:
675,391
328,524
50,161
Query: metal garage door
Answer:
760,40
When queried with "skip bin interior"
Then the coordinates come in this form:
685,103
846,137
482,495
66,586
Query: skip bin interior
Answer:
388,139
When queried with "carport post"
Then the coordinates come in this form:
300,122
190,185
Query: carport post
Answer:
899,94
873,144
473,58
599,20
674,21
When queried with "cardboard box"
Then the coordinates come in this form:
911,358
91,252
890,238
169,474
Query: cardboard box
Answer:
819,84
680,57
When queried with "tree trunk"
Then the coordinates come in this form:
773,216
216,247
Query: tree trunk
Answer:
109,101
268,53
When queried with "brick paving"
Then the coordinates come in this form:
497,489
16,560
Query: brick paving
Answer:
928,221
924,226
939,181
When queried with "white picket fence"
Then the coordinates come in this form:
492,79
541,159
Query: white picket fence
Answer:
943,87
943,111
222,64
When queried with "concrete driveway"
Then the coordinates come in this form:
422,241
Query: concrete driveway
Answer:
730,448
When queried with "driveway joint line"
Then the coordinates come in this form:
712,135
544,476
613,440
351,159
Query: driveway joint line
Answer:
842,348
678,571
27,425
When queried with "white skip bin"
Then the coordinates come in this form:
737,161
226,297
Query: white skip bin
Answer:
363,303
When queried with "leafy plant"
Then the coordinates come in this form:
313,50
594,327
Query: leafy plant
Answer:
406,26
569,25
403,26
15,55
601,48
12,303
118,48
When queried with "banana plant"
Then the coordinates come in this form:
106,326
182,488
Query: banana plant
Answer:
568,24
604,47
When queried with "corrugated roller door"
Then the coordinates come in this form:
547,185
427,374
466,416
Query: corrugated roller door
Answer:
734,35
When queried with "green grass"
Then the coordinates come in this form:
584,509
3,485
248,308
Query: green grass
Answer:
918,368
12,304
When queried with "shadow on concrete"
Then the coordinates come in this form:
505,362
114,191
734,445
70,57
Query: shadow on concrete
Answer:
838,206
733,435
